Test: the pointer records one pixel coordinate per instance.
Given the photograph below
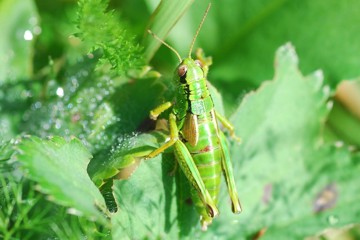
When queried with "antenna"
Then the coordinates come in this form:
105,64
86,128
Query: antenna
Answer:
167,45
198,30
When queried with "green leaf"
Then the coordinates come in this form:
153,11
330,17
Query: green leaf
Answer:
19,23
100,29
242,37
6,152
128,151
283,171
60,169
282,166
162,21
153,203
146,202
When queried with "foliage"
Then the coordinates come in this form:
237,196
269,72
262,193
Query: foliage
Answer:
76,91
97,29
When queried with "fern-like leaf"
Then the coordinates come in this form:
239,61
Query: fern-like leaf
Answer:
101,29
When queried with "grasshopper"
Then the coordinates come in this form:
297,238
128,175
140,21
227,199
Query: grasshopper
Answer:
200,147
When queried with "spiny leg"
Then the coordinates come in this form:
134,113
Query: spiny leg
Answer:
226,123
229,175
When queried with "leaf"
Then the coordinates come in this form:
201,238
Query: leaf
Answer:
60,169
6,153
100,29
82,109
147,202
242,37
162,21
128,151
153,203
18,22
141,195
282,166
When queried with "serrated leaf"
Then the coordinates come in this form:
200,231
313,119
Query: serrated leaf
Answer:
59,167
242,37
129,150
100,29
282,166
123,161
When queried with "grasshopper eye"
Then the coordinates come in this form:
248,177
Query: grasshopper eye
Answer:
199,63
182,70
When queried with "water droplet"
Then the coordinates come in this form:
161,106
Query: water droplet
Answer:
37,105
84,73
99,97
73,211
58,124
33,20
60,91
46,126
329,105
332,219
28,36
339,144
326,90
37,30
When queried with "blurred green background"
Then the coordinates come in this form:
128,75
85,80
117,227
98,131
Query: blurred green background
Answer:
82,70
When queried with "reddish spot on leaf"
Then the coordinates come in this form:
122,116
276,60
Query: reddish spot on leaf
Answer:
259,234
267,193
326,198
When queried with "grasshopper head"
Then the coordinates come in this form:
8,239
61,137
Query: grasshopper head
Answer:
190,70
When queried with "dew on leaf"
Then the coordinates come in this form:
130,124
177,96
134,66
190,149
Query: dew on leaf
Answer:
339,144
329,105
37,30
60,91
58,124
332,219
84,73
46,126
79,100
73,211
326,90
28,36
33,20
26,94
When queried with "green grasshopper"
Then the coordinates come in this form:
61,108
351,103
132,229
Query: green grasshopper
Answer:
199,145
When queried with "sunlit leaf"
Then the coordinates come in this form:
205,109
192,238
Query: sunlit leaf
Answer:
60,169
